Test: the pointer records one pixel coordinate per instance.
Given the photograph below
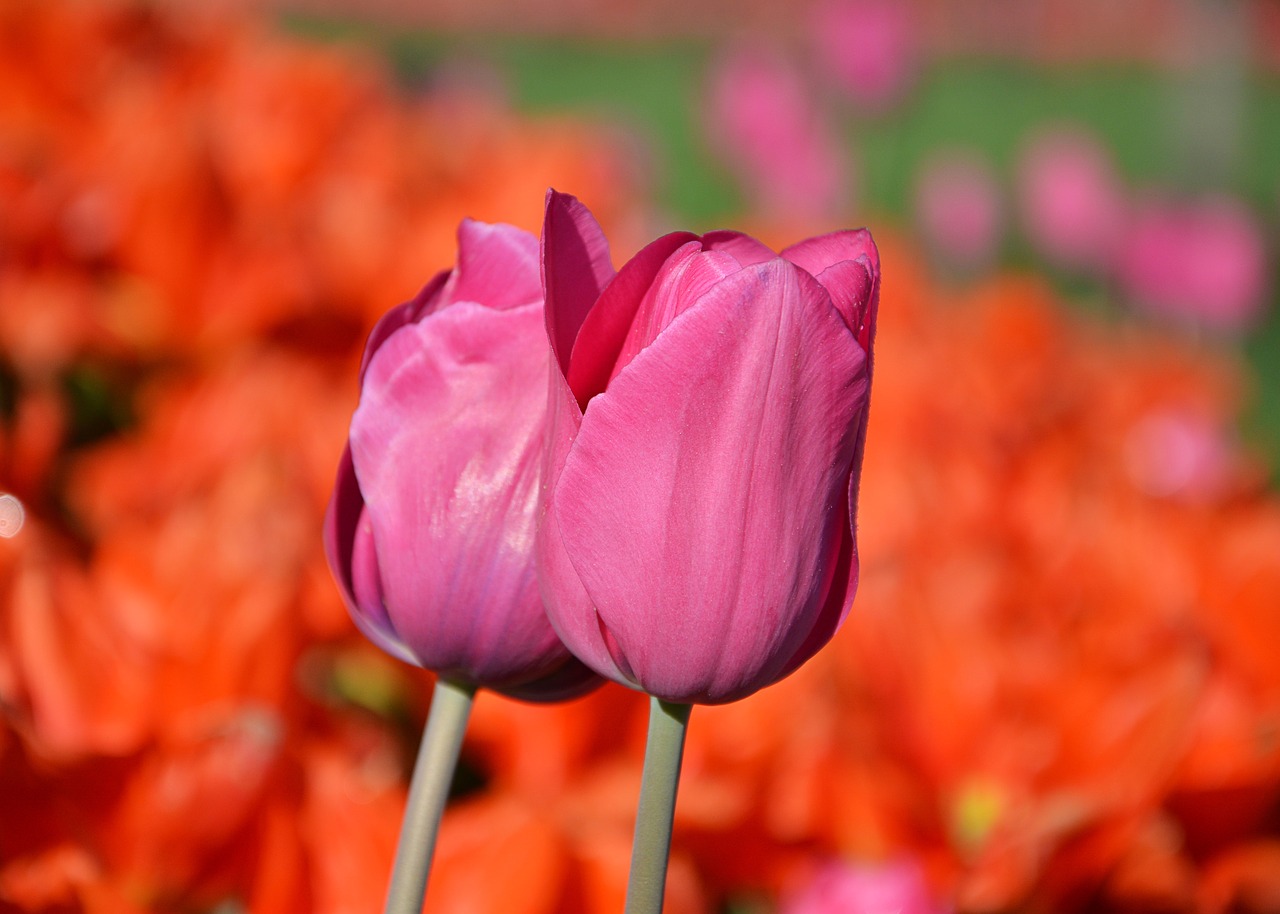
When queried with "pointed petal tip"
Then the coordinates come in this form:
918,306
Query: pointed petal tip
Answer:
817,253
576,267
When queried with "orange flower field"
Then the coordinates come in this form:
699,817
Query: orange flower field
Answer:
1056,690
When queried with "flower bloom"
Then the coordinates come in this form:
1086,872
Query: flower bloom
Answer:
1071,200
1202,261
430,529
958,208
708,413
768,127
893,886
869,48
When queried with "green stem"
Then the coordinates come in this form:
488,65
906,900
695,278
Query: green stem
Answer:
428,793
652,845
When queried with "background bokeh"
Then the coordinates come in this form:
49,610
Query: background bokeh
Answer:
1058,689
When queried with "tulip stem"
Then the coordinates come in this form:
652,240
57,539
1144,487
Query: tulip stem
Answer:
428,793
652,845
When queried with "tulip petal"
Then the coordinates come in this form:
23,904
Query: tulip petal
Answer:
849,284
569,609
403,314
687,276
816,254
595,352
348,545
728,441
454,532
497,266
575,270
819,255
368,609
340,517
743,248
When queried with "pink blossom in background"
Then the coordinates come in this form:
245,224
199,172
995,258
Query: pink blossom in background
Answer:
958,208
766,124
1071,200
869,48
1177,452
894,887
1202,261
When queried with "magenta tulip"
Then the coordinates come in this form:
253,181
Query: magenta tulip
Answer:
430,530
708,413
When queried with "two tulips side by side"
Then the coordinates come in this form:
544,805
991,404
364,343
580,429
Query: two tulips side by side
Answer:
674,510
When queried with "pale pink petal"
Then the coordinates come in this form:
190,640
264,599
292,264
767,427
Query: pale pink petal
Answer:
454,533
400,315
497,266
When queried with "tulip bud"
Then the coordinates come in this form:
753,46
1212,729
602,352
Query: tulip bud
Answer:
430,529
708,413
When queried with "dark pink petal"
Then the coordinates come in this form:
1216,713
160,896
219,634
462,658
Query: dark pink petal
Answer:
703,502
575,270
340,517
497,266
447,446
596,350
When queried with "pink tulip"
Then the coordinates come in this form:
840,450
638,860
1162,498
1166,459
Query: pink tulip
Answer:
768,127
1176,452
870,48
958,209
1201,261
1071,200
897,887
430,529
708,414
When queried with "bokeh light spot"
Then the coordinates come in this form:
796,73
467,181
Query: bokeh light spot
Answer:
11,516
